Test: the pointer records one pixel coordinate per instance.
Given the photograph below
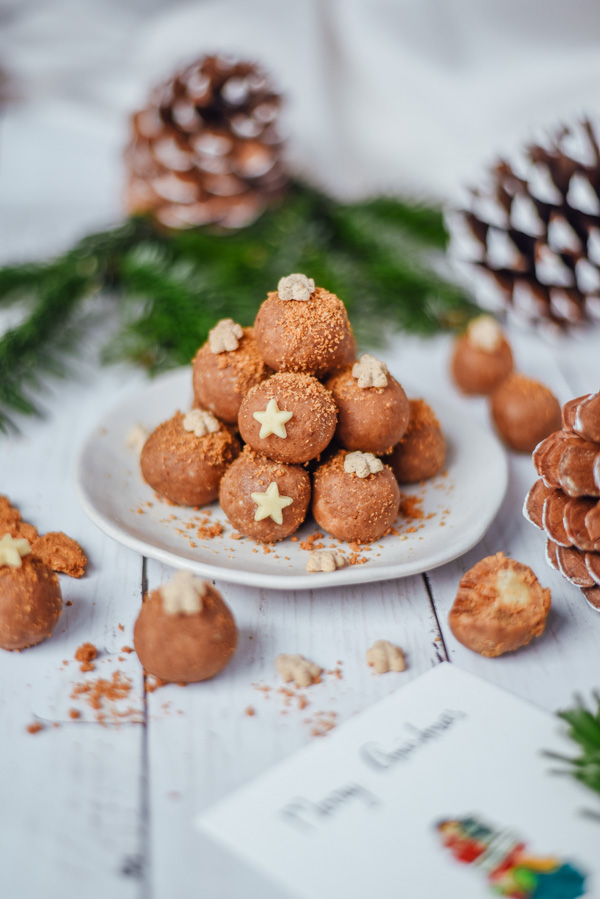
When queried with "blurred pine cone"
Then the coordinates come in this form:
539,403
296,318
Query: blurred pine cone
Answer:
565,502
530,235
206,148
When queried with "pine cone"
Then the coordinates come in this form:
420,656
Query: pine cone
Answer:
206,148
565,502
530,236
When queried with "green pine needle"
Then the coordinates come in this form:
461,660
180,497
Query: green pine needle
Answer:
379,256
584,729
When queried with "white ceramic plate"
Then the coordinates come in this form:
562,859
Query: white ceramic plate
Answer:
459,507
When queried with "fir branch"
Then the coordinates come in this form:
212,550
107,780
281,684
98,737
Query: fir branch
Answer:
584,729
171,288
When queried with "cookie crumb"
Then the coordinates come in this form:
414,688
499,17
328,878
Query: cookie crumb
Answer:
384,656
86,653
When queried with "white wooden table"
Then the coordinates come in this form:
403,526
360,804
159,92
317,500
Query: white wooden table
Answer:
106,811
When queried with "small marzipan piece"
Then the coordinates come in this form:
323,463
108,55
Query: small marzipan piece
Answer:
12,550
370,372
298,669
362,464
137,437
225,336
183,594
384,656
201,423
485,333
295,287
272,420
325,560
270,504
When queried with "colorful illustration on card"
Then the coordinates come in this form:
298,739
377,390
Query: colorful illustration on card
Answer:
511,870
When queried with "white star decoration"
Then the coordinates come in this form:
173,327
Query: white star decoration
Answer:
183,594
270,504
273,420
12,549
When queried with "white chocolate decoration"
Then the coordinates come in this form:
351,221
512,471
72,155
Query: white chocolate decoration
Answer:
201,423
272,420
136,438
225,336
298,669
183,594
295,287
485,333
270,504
325,560
383,656
12,549
362,464
371,372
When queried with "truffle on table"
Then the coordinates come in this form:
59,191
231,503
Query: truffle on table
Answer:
524,412
185,632
185,458
30,596
421,452
355,497
290,417
482,357
373,410
303,328
499,607
263,499
226,368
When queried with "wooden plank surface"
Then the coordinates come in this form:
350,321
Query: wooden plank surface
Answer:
96,810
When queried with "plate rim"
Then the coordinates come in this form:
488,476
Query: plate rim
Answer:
357,574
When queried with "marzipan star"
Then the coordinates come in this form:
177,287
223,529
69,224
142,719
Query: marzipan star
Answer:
11,550
273,420
270,504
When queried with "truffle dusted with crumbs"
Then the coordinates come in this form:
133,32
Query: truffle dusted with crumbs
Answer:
290,417
372,417
482,357
422,451
301,333
185,458
263,499
353,505
226,368
524,412
185,632
499,607
30,596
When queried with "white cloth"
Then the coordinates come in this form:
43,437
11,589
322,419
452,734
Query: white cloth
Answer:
401,95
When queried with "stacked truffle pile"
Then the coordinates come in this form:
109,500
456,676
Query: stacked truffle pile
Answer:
314,422
565,501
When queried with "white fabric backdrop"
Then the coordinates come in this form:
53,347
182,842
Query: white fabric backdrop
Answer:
411,95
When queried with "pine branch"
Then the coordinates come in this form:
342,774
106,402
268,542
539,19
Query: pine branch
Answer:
170,289
584,729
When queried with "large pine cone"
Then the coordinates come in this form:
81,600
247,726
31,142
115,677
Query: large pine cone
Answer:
565,502
207,148
530,235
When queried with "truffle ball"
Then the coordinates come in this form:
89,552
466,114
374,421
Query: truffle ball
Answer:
263,499
222,379
499,606
371,419
184,467
422,451
482,357
524,412
290,417
354,508
312,335
185,639
30,603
